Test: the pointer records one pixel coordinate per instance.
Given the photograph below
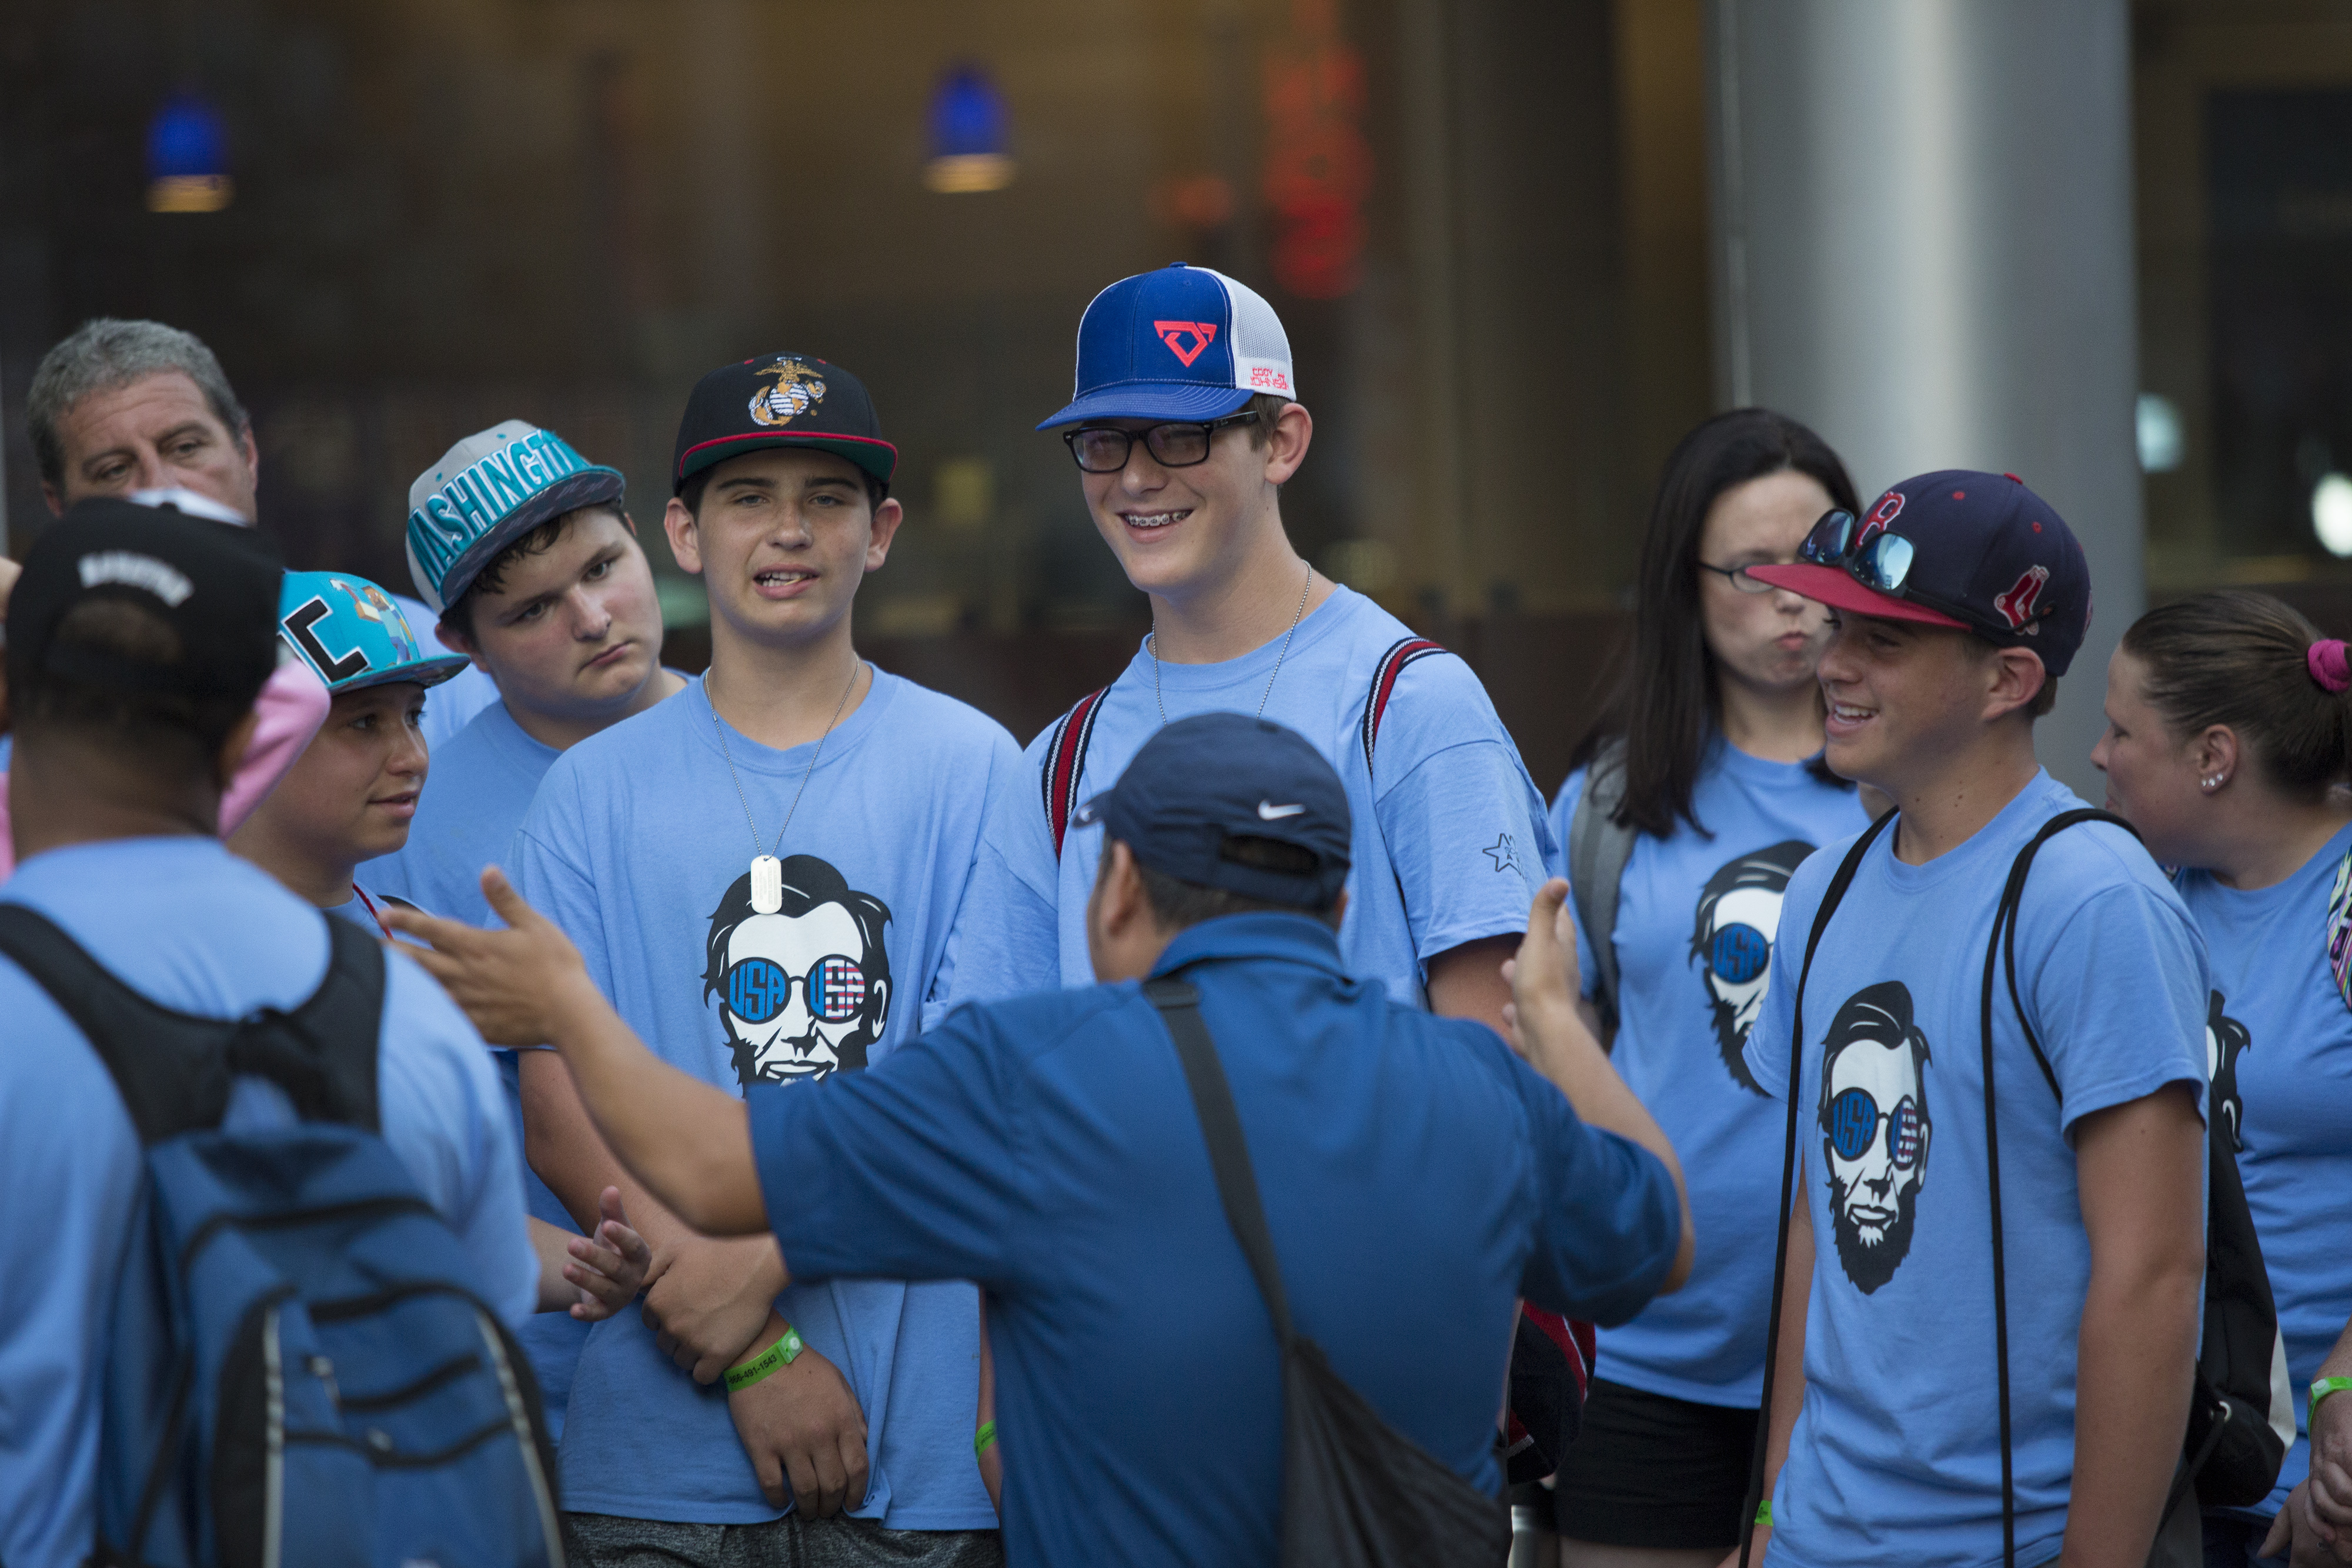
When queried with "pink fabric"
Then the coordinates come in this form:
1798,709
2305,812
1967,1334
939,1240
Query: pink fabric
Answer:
291,708
2327,663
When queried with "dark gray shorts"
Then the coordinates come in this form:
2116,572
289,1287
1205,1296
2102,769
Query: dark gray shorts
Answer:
602,1540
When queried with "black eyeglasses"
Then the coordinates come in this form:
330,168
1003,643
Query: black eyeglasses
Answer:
1104,449
1882,562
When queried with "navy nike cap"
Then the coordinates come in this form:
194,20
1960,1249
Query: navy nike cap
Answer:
1206,796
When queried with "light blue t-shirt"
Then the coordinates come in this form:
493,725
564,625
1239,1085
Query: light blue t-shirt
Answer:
1696,916
637,847
2278,1043
476,793
190,926
1451,839
1896,1456
450,706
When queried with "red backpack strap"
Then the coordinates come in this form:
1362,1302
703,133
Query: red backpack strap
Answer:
1384,680
1065,759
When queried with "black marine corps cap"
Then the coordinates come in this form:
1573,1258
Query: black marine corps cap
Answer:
779,399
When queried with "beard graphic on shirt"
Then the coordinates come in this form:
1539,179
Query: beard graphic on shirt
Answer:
805,991
1875,1132
2226,1039
1731,940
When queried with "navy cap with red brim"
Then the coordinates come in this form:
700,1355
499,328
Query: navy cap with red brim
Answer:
1842,589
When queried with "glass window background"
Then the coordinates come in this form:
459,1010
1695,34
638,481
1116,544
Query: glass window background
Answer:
1483,223
2244,119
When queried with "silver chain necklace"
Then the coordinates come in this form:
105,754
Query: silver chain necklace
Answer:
767,871
1296,615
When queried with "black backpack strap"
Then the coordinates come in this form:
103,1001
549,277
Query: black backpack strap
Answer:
1831,899
173,1069
2004,942
324,1053
167,1065
1599,848
2004,923
1221,1125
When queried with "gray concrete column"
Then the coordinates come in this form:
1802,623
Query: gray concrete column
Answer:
1923,248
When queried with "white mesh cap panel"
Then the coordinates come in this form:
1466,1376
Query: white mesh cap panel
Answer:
1261,348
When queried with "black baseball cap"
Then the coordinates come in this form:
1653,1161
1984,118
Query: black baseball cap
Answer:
215,583
1205,782
1955,547
779,399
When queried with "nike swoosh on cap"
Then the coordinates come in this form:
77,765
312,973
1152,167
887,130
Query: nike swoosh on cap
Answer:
1269,811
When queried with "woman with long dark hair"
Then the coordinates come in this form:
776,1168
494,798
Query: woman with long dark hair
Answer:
1705,790
2228,733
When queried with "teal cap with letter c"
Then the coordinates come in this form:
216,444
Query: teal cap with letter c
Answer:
352,633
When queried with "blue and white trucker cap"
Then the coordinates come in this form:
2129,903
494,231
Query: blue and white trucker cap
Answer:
1182,342
353,635
488,491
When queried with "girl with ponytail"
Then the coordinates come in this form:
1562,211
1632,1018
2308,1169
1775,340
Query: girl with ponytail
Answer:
2229,738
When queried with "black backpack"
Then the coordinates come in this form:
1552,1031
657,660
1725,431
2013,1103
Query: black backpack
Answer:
2241,1415
1355,1492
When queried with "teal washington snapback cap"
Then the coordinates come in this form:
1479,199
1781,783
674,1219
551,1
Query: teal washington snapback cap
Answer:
488,491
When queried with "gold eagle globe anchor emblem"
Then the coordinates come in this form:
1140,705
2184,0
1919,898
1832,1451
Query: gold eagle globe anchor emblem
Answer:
797,389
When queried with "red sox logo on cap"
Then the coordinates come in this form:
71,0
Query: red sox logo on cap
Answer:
2016,606
1884,512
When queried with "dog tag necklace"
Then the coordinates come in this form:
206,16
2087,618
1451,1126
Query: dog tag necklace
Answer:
767,871
1298,616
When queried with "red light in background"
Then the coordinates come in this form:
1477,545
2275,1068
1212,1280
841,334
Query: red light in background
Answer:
1318,167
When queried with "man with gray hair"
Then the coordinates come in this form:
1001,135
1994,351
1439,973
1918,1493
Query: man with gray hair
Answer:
121,408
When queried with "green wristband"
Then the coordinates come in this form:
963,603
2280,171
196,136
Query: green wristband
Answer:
780,1353
1764,1512
983,1439
2320,1389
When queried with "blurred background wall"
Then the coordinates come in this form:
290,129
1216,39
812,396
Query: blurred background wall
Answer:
1496,230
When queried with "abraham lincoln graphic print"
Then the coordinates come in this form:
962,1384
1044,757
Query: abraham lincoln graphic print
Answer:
1731,940
1875,1131
805,991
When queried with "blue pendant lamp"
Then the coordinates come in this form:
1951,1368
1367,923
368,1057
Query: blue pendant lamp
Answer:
968,134
187,157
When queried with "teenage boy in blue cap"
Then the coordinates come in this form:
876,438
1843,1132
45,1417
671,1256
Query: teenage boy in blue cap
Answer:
1185,425
137,639
1956,602
352,794
523,548
1415,1176
764,875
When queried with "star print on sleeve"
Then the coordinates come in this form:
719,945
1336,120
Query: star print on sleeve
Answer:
1504,852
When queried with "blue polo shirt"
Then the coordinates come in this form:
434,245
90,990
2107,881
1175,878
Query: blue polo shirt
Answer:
1417,1177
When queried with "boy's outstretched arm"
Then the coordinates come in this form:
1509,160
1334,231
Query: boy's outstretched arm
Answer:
689,1143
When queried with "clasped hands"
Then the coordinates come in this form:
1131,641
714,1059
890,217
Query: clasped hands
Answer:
2314,1528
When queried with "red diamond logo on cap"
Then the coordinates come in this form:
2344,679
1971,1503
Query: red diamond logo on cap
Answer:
1201,333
